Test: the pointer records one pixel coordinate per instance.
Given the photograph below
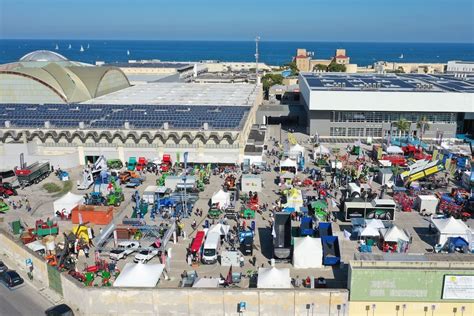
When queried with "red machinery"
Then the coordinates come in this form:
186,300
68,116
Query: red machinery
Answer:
141,165
406,202
7,190
396,160
197,242
415,152
165,163
229,183
253,203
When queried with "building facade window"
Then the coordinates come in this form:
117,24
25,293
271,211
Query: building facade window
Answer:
373,132
337,131
355,132
386,117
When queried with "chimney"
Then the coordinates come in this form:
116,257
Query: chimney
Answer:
166,125
205,126
126,125
81,125
47,124
7,124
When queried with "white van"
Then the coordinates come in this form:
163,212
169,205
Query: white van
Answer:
211,248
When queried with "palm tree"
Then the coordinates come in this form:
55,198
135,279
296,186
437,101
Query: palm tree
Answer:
423,125
403,126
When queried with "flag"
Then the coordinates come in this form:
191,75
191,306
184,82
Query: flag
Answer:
347,234
273,232
228,279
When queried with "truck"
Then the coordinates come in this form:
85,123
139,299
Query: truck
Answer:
165,163
211,248
142,164
282,236
124,248
33,173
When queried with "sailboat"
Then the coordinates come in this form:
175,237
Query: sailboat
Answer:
57,47
69,47
128,52
88,46
401,56
82,49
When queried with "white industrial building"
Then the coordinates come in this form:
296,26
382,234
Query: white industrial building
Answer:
366,105
458,66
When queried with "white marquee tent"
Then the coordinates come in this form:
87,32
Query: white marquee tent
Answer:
288,164
220,228
139,275
307,253
394,234
67,203
221,197
206,283
451,227
394,150
273,278
321,151
297,149
370,231
294,199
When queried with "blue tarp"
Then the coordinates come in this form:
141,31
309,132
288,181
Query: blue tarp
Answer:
325,229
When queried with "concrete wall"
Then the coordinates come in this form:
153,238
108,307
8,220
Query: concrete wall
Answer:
18,253
209,302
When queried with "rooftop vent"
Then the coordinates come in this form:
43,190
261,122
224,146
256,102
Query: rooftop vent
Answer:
7,124
47,124
126,125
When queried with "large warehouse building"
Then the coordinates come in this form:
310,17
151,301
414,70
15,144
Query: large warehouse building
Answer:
360,105
71,113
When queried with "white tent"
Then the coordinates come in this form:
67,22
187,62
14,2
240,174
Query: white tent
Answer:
395,234
394,150
320,151
139,275
206,283
451,227
219,228
251,182
375,223
297,149
307,253
67,203
370,231
288,163
273,278
222,198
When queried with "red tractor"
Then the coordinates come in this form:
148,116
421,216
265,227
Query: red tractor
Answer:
166,163
396,160
7,190
415,152
141,165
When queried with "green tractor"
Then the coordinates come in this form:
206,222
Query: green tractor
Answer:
214,213
115,198
161,180
247,213
3,206
200,185
114,164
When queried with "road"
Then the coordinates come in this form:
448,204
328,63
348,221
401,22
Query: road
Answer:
23,301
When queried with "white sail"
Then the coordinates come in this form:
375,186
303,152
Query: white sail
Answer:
401,56
69,47
82,49
57,47
128,52
88,46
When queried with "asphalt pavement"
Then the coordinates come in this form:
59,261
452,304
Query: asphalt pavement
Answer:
23,301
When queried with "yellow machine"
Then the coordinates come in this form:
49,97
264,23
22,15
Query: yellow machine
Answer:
81,232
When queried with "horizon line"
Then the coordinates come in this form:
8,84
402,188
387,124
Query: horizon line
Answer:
228,40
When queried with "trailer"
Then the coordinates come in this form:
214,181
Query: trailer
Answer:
383,209
331,251
282,236
33,173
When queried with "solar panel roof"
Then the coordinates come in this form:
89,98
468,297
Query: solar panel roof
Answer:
389,82
106,116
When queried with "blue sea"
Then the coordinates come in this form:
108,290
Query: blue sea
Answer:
273,53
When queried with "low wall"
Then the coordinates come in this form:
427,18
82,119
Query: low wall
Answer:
19,254
410,309
209,302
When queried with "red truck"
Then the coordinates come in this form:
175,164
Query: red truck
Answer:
165,163
415,152
141,165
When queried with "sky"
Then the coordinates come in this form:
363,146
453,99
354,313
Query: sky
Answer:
272,20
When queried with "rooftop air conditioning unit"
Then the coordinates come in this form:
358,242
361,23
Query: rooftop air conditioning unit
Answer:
47,124
166,125
7,124
126,125
81,125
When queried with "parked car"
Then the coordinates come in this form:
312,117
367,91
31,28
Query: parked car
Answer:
134,182
3,267
145,255
59,310
11,279
124,249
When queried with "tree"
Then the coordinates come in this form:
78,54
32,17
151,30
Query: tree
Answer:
335,67
293,67
403,126
320,67
423,125
270,80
